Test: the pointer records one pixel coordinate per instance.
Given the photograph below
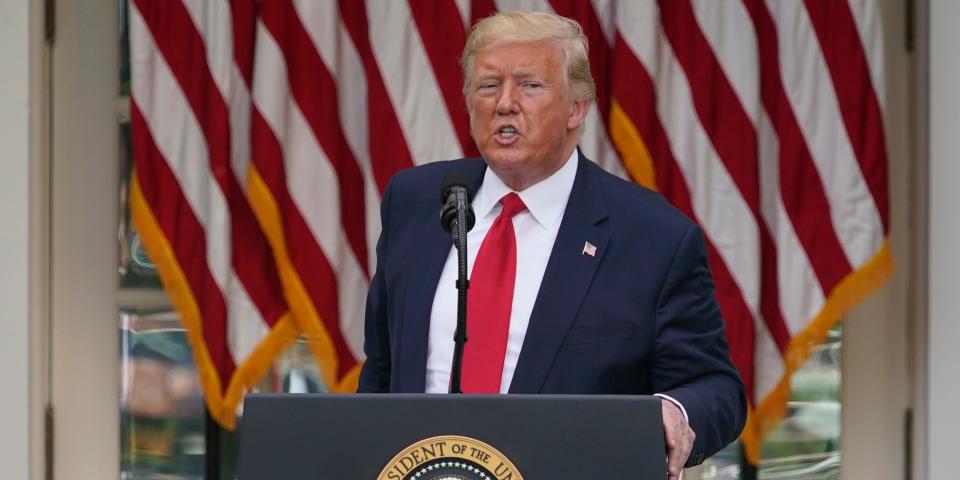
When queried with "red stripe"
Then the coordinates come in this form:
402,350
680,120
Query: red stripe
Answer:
480,9
801,188
634,91
389,152
734,138
186,238
312,266
847,61
441,29
244,15
182,47
600,50
315,91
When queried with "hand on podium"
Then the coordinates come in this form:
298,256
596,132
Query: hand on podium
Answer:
678,437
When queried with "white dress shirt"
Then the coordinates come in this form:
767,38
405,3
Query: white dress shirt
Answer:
536,230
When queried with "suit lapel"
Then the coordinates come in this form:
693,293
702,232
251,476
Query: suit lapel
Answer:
566,280
428,258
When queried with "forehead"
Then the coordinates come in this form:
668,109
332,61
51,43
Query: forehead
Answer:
534,57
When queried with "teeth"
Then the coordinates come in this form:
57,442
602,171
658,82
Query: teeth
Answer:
508,131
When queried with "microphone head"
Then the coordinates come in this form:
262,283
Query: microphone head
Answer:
452,180
453,183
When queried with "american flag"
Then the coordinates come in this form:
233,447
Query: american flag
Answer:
264,133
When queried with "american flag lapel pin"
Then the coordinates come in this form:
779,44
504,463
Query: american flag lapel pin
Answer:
589,249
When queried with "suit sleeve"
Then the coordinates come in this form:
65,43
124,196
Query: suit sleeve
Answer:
375,374
691,360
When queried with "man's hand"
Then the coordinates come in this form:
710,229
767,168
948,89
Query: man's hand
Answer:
678,437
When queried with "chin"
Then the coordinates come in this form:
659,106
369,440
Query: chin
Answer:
505,163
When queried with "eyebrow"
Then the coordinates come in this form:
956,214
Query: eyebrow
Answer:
520,74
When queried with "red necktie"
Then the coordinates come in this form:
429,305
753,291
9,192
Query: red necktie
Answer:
490,301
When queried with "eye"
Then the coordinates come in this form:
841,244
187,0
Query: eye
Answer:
532,86
487,87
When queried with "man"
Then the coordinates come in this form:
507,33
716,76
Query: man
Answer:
581,282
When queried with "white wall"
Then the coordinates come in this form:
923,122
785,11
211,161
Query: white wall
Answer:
944,296
85,367
875,389
14,239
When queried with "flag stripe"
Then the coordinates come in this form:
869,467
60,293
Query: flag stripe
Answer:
389,152
316,95
640,108
845,57
244,25
869,27
310,182
810,91
182,49
186,238
315,271
441,28
331,40
595,141
480,9
801,189
400,55
733,136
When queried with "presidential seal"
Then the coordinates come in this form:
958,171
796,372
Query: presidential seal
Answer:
450,458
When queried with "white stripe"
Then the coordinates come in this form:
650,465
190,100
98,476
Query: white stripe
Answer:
799,293
768,364
338,53
596,144
732,37
867,17
246,326
464,7
531,5
811,92
411,83
343,62
639,23
311,180
724,214
605,11
321,20
729,31
352,85
213,19
178,137
717,202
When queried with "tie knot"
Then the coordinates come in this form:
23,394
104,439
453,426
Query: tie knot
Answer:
512,205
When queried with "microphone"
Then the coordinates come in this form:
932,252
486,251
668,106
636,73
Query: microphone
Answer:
456,217
455,196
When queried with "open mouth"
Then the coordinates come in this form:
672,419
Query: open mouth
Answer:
506,135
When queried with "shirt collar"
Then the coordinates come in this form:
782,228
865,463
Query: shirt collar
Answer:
545,200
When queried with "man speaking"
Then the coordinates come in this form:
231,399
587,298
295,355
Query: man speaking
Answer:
580,282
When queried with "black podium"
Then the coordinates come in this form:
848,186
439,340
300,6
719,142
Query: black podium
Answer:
434,437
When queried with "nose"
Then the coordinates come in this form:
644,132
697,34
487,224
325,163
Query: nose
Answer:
507,101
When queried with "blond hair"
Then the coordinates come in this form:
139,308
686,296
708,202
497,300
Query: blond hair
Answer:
527,27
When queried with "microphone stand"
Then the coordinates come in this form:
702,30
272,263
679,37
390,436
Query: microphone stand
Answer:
460,335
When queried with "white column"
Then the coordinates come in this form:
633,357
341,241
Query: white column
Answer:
14,238
944,288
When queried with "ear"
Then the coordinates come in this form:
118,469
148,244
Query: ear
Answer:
578,114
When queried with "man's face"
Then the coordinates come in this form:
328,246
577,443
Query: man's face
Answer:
522,115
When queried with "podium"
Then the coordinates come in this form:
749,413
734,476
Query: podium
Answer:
441,437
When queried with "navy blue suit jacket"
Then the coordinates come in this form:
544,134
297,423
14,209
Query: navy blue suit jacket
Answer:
639,317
